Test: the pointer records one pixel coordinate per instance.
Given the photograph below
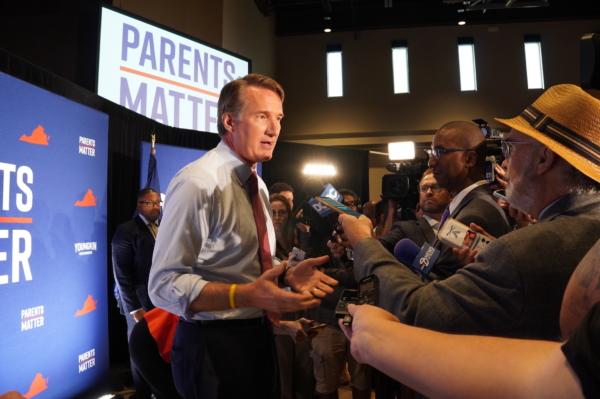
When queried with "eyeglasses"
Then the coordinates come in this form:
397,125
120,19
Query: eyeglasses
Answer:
437,152
433,187
282,212
150,203
507,147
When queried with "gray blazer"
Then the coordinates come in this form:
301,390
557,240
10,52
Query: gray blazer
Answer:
514,288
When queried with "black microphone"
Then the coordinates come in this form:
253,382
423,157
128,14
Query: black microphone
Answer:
420,260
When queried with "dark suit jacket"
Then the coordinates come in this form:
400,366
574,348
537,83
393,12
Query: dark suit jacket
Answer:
132,247
477,207
419,231
514,288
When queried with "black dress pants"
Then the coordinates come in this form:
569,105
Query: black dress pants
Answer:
149,364
225,359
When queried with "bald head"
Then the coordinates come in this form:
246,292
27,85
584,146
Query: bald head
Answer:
464,163
463,134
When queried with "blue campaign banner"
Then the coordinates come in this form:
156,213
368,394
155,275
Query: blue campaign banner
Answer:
53,266
170,159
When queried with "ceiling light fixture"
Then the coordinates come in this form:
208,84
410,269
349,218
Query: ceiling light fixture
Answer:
461,23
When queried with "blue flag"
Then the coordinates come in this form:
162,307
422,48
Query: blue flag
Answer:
152,178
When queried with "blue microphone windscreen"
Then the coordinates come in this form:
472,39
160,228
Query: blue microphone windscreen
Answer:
406,251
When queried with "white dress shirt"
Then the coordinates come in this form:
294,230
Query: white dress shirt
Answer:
208,234
434,223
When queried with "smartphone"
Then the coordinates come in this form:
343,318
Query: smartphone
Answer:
489,171
369,289
337,206
500,194
348,296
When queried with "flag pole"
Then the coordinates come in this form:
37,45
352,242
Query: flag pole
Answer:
152,180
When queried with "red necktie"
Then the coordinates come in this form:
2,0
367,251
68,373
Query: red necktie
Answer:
264,248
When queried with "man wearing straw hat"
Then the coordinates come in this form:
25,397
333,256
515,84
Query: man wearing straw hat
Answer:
515,285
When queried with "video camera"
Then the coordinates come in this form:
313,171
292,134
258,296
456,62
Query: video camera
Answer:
403,184
493,153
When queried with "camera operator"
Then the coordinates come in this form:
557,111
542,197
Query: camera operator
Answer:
433,199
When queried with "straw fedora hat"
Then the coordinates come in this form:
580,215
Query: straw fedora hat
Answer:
565,119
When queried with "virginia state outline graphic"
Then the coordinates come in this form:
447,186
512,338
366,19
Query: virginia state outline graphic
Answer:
88,306
89,199
38,136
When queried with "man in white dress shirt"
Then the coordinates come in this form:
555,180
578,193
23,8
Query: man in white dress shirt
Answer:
212,262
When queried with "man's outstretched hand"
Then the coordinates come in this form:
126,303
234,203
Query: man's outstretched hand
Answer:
306,278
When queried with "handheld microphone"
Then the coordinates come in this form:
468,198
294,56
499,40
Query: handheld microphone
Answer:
420,260
406,251
321,208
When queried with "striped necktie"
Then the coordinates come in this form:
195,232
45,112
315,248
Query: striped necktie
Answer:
153,229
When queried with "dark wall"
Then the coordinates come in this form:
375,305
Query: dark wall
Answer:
289,159
60,36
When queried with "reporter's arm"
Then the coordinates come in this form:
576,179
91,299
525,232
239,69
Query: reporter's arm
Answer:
460,366
444,365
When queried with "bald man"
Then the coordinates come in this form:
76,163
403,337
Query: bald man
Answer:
457,158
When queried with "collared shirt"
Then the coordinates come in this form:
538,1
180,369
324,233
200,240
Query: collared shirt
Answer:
434,223
463,193
208,234
147,223
549,208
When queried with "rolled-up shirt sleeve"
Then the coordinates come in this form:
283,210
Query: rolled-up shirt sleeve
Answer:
173,285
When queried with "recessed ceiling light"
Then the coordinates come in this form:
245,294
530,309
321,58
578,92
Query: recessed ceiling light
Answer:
327,30
461,23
